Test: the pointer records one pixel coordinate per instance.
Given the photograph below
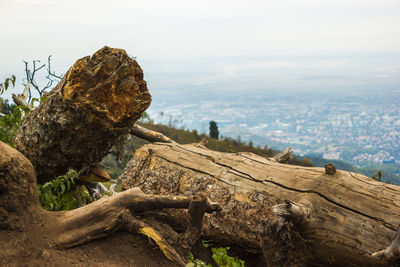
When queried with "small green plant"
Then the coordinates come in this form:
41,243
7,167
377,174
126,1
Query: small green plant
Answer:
378,176
220,255
4,86
192,262
40,100
61,193
10,123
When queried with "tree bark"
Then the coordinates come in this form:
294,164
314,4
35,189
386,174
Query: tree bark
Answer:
293,215
91,110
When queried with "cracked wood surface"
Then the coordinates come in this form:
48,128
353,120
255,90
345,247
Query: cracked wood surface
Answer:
352,216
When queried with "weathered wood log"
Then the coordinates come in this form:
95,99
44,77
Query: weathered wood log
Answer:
91,110
20,211
295,216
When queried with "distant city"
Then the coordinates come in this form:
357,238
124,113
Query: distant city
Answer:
357,128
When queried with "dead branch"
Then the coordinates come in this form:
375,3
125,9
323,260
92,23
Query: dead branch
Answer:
51,77
149,135
283,156
30,77
392,251
52,74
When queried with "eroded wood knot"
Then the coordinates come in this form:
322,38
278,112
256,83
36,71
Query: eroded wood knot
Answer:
330,169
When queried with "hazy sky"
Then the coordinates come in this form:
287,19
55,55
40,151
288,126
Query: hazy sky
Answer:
287,43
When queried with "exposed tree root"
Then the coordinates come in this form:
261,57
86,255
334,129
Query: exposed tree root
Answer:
392,252
120,211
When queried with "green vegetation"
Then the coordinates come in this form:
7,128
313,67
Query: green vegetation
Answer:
6,107
11,119
389,171
11,115
192,262
221,257
377,176
61,193
4,86
9,125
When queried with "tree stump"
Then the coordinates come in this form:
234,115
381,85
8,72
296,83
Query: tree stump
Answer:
91,110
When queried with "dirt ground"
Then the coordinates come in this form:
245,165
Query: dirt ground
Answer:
119,249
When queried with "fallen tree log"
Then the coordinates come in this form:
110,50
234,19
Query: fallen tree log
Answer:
294,216
91,110
20,213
